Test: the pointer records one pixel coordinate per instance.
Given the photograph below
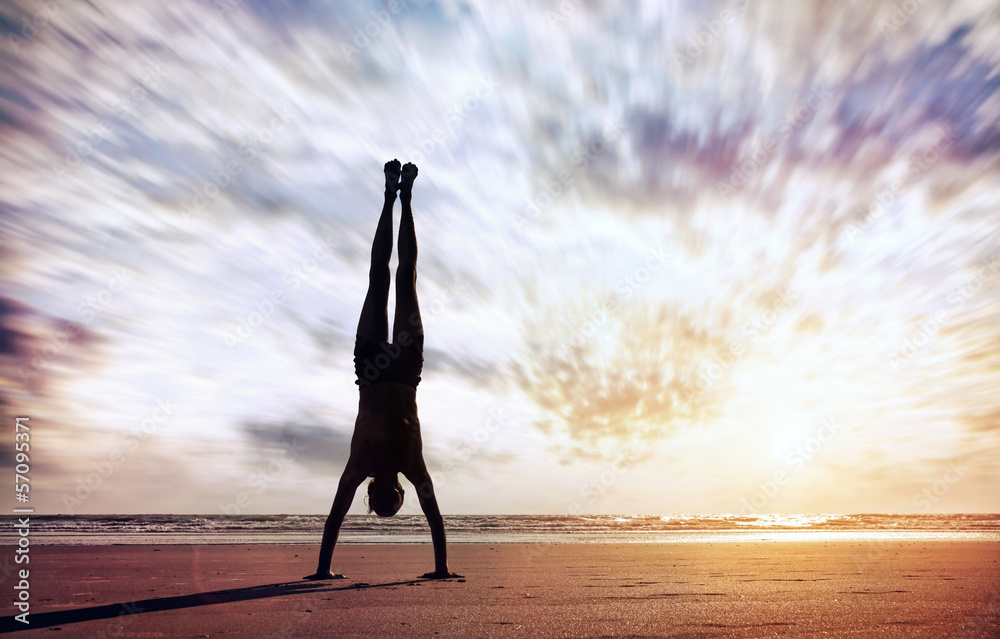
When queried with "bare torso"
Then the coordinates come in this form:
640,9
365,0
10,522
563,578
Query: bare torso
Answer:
387,430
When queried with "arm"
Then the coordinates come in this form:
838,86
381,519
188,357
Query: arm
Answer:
421,479
349,483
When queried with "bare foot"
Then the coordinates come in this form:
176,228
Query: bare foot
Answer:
391,171
324,575
409,174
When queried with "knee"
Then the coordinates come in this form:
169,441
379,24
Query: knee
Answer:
406,272
379,276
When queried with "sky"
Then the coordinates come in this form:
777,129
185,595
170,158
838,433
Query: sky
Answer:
675,256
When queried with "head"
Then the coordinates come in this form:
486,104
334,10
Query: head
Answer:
385,497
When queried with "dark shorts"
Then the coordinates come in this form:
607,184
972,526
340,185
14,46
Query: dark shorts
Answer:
376,362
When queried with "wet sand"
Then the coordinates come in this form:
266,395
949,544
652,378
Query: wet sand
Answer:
838,589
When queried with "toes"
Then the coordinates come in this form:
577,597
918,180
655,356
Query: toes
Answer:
409,171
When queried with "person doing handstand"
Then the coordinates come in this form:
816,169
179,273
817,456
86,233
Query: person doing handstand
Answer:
386,438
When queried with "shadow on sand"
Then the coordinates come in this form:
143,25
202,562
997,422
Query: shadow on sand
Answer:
110,611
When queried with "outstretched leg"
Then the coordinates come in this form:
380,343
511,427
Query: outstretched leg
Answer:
407,318
374,322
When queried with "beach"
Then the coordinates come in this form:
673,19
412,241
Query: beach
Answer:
855,588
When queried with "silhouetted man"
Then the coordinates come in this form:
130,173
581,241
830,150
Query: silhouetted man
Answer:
386,438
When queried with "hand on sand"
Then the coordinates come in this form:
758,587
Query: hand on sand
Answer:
391,171
441,574
324,575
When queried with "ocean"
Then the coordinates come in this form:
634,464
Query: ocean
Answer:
81,530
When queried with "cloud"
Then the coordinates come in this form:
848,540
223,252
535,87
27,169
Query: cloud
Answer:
477,371
36,347
625,376
310,442
814,213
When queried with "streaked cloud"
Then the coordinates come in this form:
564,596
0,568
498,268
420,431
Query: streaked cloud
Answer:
695,258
